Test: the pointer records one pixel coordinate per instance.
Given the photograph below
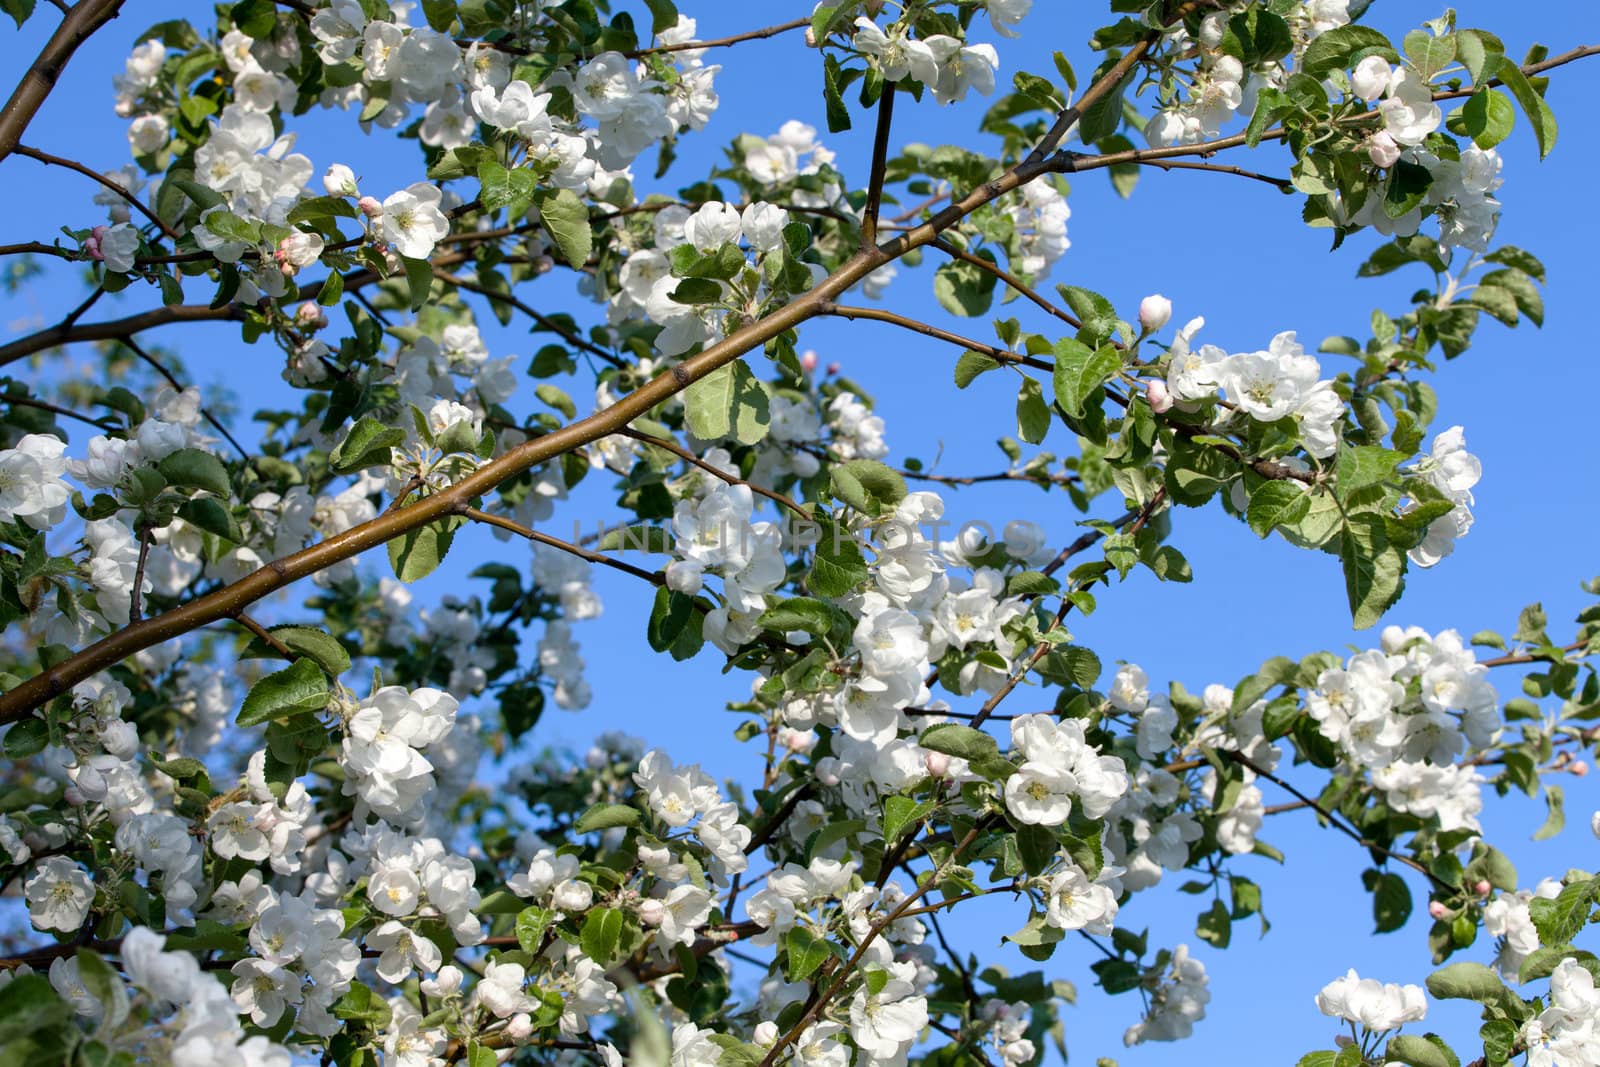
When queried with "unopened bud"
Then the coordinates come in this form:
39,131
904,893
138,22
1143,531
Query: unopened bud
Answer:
339,180
811,37
310,316
370,206
519,1027
1383,150
652,912
832,368
1159,396
1579,769
1154,311
808,361
1437,909
543,265
938,764
1482,888
91,244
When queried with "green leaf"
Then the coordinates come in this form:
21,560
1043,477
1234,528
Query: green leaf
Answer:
26,738
20,10
1557,818
637,537
1467,981
954,739
730,401
1320,1058
1374,571
1343,48
900,812
441,14
1480,52
532,922
1079,371
1534,107
254,18
806,953
1419,1051
368,444
604,816
1558,921
963,289
868,486
970,365
557,398
602,930
1489,117
837,565
419,279
211,515
663,15
799,613
1215,925
192,468
567,221
418,553
1033,414
1430,54
1277,503
1391,901
322,648
299,689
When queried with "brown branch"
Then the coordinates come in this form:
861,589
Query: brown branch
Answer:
102,423
880,165
136,605
1218,168
1512,659
512,526
842,974
80,23
1338,823
19,701
1000,355
115,329
1045,645
266,636
694,460
1008,278
88,172
1531,70
37,248
721,42
542,320
769,828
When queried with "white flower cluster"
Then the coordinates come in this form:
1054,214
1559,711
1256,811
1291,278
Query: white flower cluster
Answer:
383,748
1176,1004
1009,1028
193,1020
714,532
302,964
681,795
947,66
260,827
1369,1003
1058,767
1568,1030
1039,214
1278,383
1452,470
1407,712
1507,919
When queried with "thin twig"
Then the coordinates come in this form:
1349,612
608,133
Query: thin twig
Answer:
89,172
722,42
135,606
694,460
543,321
1007,277
159,368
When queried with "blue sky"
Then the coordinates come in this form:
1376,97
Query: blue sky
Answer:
1230,250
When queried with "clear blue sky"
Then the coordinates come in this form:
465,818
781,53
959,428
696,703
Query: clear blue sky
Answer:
1230,250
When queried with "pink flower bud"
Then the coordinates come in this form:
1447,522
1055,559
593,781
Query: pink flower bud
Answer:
1437,909
519,1027
938,764
310,316
1579,769
1154,311
833,368
811,37
1160,398
91,244
808,361
370,206
1383,149
652,912
1482,888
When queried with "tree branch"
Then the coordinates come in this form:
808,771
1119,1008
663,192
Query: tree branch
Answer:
80,23
89,172
115,329
880,165
722,42
1007,277
1000,355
